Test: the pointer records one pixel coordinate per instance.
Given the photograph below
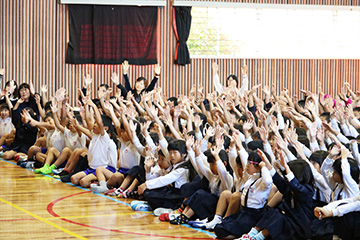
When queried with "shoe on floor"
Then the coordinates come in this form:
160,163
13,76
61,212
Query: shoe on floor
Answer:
28,164
159,211
140,206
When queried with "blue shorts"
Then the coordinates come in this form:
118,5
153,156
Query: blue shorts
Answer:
123,170
93,171
43,150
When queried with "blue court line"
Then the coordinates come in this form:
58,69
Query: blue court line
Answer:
105,196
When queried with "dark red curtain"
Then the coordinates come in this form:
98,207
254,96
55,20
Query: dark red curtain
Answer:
182,25
112,34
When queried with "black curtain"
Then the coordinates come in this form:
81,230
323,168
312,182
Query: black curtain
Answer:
182,25
112,34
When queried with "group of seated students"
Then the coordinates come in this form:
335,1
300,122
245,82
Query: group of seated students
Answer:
244,162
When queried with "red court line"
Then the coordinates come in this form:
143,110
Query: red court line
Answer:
14,220
51,211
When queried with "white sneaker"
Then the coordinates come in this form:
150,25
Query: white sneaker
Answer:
159,211
144,207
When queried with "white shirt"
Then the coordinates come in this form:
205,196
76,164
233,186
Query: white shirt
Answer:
348,205
177,177
73,141
57,140
112,154
6,126
98,151
349,188
156,171
224,176
129,156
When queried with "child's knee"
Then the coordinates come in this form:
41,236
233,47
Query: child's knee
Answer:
84,183
236,195
74,180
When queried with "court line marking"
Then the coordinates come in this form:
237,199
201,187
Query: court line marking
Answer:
42,219
106,196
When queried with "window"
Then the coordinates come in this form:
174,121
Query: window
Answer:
275,32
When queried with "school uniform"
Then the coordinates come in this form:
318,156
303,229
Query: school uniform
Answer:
202,202
292,218
253,199
98,152
164,191
73,140
128,157
349,188
346,217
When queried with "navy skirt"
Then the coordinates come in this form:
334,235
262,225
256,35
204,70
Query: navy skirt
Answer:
190,188
166,197
202,203
239,223
348,226
137,172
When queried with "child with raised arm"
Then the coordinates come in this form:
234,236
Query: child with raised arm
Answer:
128,155
291,219
254,195
164,191
100,148
73,139
219,174
341,173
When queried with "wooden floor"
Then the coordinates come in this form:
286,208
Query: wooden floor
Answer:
35,206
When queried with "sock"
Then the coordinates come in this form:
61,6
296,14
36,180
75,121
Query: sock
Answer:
253,232
101,188
259,236
211,225
52,167
126,193
67,170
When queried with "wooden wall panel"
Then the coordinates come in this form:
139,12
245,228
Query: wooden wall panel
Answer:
34,35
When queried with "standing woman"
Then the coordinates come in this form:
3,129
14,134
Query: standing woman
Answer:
141,83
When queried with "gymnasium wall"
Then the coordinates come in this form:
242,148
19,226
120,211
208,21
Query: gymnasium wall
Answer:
34,35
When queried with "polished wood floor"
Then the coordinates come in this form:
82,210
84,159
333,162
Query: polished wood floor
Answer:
35,206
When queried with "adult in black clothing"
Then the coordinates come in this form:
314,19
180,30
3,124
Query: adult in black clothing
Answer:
26,100
25,135
141,83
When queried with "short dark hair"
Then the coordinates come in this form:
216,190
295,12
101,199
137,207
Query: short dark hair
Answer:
234,77
177,145
354,169
319,156
302,171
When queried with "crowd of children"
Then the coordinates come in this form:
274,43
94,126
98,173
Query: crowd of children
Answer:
244,162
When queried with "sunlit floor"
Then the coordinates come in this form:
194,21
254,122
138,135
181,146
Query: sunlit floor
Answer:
35,206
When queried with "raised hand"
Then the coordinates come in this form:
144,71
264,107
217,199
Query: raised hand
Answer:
11,87
336,149
216,149
60,94
197,121
125,67
263,134
115,78
244,70
215,67
264,159
157,70
37,98
54,108
43,88
32,89
132,125
189,141
144,127
107,106
87,80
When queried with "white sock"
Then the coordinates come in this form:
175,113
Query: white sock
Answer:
253,232
217,219
259,236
